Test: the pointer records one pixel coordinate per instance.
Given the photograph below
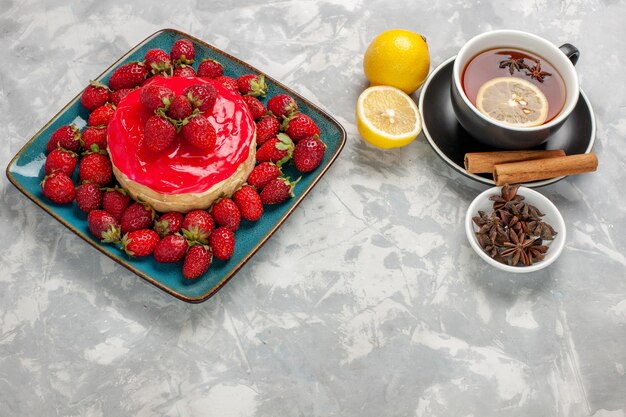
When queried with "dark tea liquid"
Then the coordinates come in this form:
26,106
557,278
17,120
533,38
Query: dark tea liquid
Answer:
486,66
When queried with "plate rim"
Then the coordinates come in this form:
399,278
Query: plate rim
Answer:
125,263
483,180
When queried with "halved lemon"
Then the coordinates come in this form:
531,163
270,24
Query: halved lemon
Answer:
387,117
513,101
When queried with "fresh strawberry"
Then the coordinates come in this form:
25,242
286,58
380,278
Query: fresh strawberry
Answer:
169,224
95,166
266,128
180,108
155,96
185,71
249,203
197,261
128,76
101,115
103,226
277,191
227,82
88,197
159,133
61,160
67,137
257,109
95,95
209,68
170,249
94,135
226,213
114,201
282,106
118,95
300,126
222,242
139,242
200,133
201,96
277,150
308,153
197,226
182,52
58,187
252,85
262,174
157,61
137,216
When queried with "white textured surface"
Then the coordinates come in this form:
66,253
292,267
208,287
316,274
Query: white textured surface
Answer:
368,301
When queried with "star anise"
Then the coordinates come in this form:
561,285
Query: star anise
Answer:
507,194
541,229
525,211
517,248
513,64
536,251
536,72
490,226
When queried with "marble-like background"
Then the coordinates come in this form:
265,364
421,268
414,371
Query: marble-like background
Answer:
369,300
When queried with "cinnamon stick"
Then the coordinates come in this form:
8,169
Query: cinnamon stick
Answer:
541,169
482,162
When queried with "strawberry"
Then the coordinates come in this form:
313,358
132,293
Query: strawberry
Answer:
95,166
184,71
67,137
197,226
249,203
139,242
157,61
308,154
95,95
266,128
118,95
101,115
200,133
201,96
197,261
182,52
103,226
262,174
227,82
299,127
180,108
170,249
155,96
222,242
277,190
94,135
114,201
58,187
252,85
257,109
61,160
169,224
88,197
282,106
137,216
209,68
159,133
128,76
226,213
277,150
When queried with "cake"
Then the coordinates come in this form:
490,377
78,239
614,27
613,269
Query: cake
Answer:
182,178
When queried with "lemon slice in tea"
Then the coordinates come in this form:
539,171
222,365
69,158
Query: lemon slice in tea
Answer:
387,117
513,101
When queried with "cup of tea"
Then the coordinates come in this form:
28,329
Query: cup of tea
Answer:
512,90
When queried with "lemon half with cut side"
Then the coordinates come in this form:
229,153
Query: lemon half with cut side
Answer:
512,101
387,117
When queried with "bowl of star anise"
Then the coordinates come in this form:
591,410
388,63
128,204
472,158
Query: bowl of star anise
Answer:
515,229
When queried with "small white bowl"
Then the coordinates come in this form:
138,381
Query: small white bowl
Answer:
552,217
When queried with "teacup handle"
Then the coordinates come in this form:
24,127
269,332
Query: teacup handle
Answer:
571,51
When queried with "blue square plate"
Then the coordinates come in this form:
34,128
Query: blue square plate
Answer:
26,168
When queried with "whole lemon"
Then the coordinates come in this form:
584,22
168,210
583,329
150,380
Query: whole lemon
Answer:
398,58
